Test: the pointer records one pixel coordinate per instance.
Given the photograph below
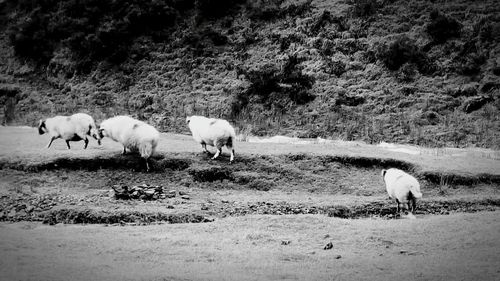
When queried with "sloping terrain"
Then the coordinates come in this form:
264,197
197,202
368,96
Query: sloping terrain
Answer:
419,72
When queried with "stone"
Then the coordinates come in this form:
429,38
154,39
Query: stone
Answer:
328,246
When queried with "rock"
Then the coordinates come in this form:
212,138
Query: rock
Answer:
185,197
183,193
337,257
30,209
328,246
285,242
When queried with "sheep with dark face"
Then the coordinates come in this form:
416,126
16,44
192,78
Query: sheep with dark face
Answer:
135,135
70,128
214,132
402,187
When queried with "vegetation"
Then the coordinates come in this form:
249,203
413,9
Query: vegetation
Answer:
420,72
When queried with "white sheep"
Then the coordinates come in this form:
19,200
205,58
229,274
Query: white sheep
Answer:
135,135
402,187
214,132
70,128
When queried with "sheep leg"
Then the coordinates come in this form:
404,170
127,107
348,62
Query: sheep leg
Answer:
124,150
219,150
50,142
86,140
413,205
204,146
230,148
232,156
147,165
67,143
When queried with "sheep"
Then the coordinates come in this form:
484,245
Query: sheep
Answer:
70,128
214,132
402,187
135,135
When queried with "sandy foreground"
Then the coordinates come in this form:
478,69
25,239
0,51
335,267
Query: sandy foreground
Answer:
260,247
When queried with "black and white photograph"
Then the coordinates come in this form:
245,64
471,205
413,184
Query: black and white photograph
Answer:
280,140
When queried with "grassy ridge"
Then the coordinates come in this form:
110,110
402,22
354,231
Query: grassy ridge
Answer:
420,72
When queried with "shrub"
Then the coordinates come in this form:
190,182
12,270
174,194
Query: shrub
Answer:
280,83
335,67
469,64
442,27
93,29
406,72
404,50
364,8
211,9
268,10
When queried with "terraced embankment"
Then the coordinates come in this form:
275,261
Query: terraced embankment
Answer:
74,186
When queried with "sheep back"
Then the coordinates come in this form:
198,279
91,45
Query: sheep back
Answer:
210,131
398,184
133,134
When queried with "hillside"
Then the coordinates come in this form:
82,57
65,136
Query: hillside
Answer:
419,72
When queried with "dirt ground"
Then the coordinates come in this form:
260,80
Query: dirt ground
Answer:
454,247
268,218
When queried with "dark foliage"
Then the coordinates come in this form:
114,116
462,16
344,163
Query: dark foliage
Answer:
93,29
287,81
212,9
475,103
406,73
404,50
442,27
336,67
364,8
268,10
210,174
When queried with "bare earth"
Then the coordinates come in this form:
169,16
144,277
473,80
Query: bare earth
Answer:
453,247
241,243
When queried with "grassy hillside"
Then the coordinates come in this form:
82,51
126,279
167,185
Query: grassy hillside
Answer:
420,72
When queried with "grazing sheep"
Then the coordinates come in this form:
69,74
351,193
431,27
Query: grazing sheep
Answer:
133,134
214,132
402,187
70,128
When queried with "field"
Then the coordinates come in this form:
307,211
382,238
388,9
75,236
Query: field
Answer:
268,216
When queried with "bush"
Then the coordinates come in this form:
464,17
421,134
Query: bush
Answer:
335,67
441,27
93,29
268,10
404,50
211,9
364,8
281,83
406,72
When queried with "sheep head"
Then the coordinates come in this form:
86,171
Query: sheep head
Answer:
42,129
